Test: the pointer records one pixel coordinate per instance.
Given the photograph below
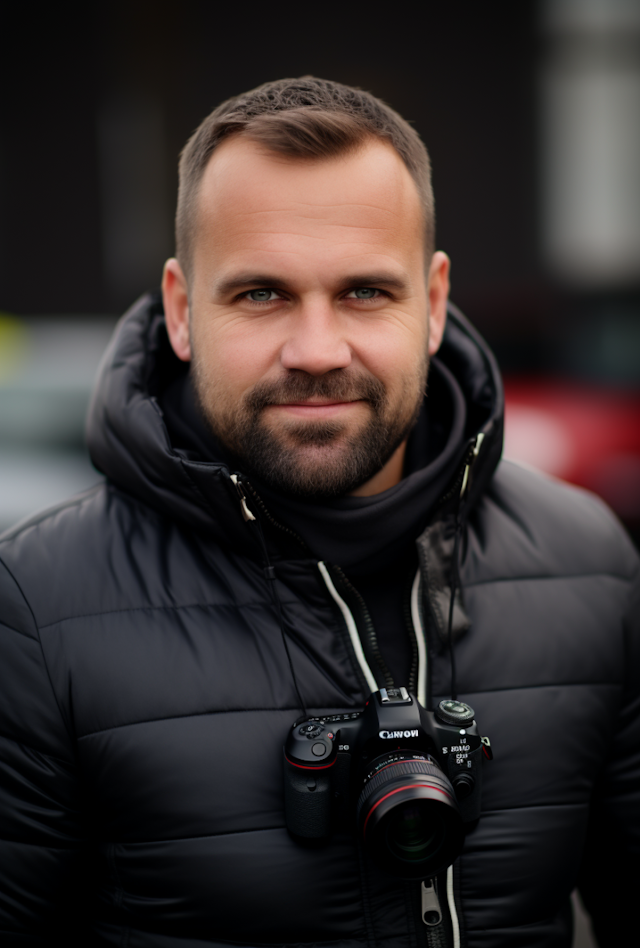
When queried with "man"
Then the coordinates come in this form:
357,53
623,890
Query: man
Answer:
283,525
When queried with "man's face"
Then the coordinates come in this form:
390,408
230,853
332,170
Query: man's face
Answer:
307,319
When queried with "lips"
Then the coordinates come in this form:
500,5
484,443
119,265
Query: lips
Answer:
307,393
329,403
320,404
316,409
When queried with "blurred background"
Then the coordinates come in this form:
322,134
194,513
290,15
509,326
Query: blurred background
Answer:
531,113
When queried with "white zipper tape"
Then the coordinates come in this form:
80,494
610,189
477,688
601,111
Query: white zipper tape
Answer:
452,909
420,640
351,626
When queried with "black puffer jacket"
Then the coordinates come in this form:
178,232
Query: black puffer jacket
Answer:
145,696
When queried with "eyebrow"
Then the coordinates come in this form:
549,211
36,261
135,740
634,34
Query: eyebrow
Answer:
245,281
248,281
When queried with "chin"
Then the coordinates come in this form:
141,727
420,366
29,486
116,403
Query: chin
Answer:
316,472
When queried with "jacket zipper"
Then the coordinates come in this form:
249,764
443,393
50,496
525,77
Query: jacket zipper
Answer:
416,618
436,897
371,646
263,510
430,910
435,933
244,508
412,684
430,905
431,915
351,627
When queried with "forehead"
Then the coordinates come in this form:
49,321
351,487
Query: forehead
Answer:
255,202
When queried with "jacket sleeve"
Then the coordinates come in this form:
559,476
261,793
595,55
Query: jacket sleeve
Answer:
610,874
40,818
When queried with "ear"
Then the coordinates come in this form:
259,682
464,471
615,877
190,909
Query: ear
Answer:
176,308
438,289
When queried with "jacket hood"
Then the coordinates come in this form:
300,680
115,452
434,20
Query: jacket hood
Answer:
129,442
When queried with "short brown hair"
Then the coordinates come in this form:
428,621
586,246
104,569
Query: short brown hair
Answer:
304,118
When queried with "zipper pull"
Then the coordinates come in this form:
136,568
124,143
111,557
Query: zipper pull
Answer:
246,513
475,451
431,911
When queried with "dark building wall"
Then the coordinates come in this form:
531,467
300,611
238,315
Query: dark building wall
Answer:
93,127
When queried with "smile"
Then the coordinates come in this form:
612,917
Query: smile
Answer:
316,409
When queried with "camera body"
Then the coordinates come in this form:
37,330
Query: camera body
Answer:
411,777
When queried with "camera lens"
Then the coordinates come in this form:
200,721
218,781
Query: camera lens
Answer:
408,816
413,835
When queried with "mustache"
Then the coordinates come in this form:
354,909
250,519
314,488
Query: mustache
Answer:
336,385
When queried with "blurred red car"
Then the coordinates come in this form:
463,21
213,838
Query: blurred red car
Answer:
582,433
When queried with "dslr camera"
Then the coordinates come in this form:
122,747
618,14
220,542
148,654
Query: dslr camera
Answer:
412,779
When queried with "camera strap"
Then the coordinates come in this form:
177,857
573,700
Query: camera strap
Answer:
270,574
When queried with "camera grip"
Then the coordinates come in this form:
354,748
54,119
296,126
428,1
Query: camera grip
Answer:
307,801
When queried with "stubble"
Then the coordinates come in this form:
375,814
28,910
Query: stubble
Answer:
317,459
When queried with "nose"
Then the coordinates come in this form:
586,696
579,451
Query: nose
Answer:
317,342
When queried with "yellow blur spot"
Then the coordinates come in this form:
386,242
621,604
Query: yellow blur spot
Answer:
14,345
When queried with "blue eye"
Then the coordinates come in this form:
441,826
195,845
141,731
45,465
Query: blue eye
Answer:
364,293
261,296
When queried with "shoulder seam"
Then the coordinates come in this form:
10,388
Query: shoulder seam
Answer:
547,576
26,602
187,714
39,641
10,628
36,519
38,750
258,604
545,684
47,846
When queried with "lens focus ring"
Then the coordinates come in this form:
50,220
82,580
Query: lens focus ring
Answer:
402,768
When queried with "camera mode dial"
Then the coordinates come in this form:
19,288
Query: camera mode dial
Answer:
310,730
455,712
310,744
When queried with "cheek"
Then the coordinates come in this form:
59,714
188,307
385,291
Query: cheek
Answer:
395,357
233,357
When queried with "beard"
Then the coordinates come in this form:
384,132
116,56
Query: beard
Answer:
317,459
